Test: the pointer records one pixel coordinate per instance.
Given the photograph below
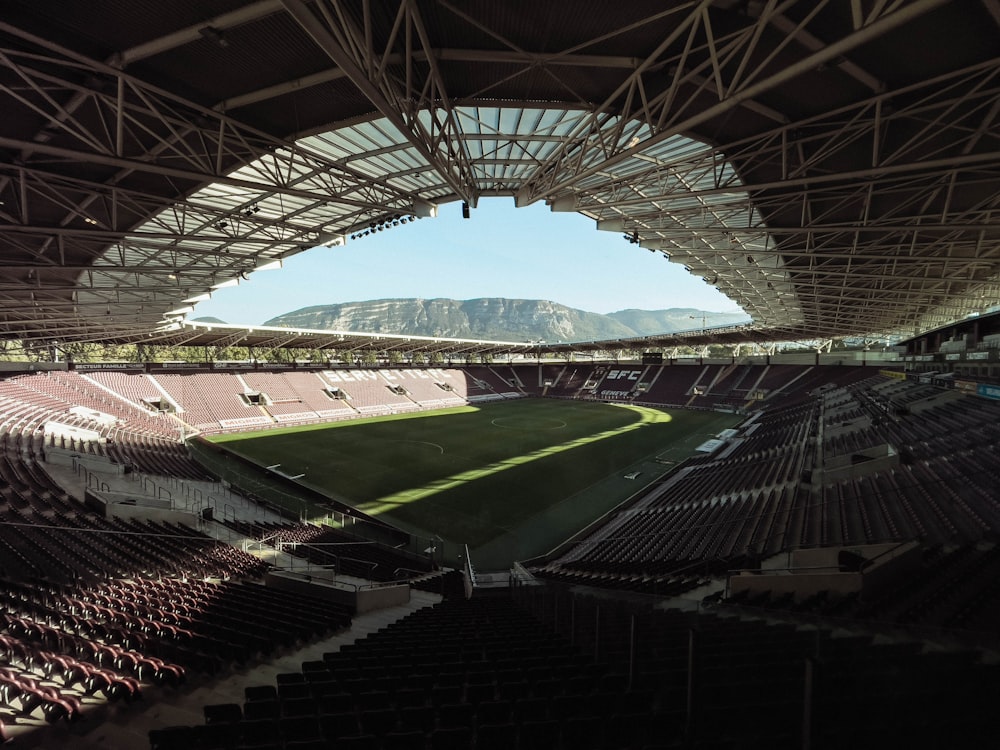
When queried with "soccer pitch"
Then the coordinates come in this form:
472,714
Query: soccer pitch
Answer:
510,479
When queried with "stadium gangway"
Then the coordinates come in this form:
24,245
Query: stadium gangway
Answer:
944,637
306,574
521,576
372,585
91,479
417,573
864,564
337,564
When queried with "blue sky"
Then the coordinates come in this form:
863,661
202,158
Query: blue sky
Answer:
501,251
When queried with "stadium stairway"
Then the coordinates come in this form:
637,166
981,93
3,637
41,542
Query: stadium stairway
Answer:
127,727
187,494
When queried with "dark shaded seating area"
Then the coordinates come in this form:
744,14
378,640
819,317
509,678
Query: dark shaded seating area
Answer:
547,667
340,550
955,589
476,673
725,681
764,492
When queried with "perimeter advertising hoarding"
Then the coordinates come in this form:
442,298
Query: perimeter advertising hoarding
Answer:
125,366
989,391
898,374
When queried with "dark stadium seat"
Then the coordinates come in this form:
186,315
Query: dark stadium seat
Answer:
222,713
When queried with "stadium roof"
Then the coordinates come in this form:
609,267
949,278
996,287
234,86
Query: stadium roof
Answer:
832,166
221,336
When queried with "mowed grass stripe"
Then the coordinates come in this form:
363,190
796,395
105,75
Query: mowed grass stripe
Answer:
365,460
470,474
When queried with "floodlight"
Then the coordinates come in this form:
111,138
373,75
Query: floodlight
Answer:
425,210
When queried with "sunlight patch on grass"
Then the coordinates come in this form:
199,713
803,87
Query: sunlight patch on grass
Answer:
647,417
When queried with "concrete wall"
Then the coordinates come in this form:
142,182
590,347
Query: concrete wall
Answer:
839,468
812,570
384,596
855,424
320,584
120,505
815,557
891,568
144,513
62,457
802,585
298,583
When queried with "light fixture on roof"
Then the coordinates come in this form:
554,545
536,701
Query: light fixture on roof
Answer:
213,34
332,240
563,204
424,210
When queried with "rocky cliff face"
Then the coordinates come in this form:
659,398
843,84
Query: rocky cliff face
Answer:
495,318
675,319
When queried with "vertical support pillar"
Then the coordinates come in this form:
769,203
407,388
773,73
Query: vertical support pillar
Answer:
572,621
597,633
807,703
690,706
633,647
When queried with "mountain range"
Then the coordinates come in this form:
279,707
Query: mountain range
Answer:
497,319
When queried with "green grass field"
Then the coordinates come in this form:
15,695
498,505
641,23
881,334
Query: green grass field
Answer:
511,479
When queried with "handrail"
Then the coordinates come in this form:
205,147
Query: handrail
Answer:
470,571
834,568
331,581
521,575
892,550
693,566
868,562
371,565
411,570
384,584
